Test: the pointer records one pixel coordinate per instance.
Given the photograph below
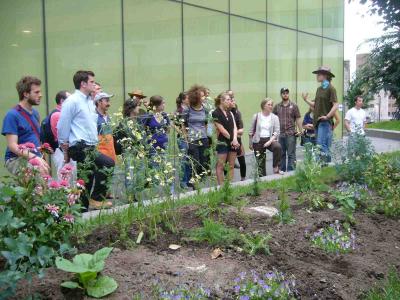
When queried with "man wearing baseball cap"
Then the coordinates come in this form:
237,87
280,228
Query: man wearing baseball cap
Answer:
325,105
289,117
106,140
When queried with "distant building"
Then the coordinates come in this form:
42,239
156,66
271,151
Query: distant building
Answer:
383,106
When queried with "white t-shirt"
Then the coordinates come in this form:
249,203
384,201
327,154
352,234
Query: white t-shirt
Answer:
265,125
357,118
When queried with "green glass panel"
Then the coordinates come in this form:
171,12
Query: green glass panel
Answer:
310,16
84,35
309,58
255,9
282,12
21,48
333,57
214,4
334,19
281,54
153,48
206,49
248,74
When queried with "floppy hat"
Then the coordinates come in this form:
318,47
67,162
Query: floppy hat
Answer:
324,70
137,93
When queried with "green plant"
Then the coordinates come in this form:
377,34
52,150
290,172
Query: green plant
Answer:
226,188
182,292
284,215
87,267
386,290
256,243
315,200
309,170
333,238
353,157
214,233
212,205
255,187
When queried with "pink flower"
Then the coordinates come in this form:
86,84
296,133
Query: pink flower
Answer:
46,177
71,199
54,185
34,161
69,218
30,146
68,168
21,147
80,184
46,146
64,183
53,209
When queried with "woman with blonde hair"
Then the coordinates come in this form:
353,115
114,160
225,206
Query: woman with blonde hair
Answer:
263,135
227,143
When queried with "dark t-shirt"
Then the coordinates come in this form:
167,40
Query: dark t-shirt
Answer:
324,100
227,122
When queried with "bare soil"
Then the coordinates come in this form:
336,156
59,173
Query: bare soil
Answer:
318,275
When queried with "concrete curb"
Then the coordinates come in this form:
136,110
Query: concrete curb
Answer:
382,133
96,213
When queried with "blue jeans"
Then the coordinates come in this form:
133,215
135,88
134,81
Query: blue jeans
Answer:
324,139
185,165
288,144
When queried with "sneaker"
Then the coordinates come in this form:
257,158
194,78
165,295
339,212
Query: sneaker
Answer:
93,204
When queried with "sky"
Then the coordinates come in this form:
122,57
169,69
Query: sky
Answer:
359,26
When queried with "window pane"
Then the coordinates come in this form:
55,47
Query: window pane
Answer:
334,19
333,57
206,49
282,12
21,48
255,9
281,64
214,4
310,16
76,41
248,67
309,58
153,54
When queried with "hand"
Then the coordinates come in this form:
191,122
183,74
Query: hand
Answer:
44,168
309,126
251,146
322,118
267,144
304,96
235,144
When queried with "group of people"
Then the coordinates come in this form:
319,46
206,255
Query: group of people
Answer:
79,126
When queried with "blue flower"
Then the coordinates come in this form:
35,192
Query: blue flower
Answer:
244,297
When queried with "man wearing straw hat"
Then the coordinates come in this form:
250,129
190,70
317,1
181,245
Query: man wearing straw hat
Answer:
138,94
325,105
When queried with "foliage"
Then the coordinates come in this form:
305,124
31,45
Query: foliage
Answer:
315,200
352,158
387,125
184,292
214,233
255,191
36,218
333,238
309,170
273,285
211,206
256,243
284,215
358,87
386,290
87,267
383,176
226,188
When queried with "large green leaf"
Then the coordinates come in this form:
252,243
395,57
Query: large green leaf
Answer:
83,259
101,287
86,277
101,255
67,266
71,285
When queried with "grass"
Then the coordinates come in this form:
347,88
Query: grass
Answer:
388,125
388,289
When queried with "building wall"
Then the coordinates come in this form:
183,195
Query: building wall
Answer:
254,47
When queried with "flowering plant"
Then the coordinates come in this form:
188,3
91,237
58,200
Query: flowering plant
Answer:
334,238
37,214
183,293
272,285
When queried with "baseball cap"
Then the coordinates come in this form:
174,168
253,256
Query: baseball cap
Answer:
284,89
102,95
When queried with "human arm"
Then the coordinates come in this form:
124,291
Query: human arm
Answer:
222,130
252,131
275,131
55,117
337,120
234,142
64,127
305,98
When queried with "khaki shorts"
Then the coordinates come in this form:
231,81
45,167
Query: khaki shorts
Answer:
13,164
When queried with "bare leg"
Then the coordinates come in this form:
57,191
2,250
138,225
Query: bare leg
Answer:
220,167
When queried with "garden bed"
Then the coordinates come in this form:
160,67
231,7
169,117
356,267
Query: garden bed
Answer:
318,275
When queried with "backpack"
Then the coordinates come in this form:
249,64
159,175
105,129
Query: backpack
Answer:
46,135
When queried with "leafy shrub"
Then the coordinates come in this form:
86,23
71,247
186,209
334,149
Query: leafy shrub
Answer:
256,243
353,157
36,218
386,290
87,267
334,238
272,285
309,170
214,233
284,215
383,176
315,200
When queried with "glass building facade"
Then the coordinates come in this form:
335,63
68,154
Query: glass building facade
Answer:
253,47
